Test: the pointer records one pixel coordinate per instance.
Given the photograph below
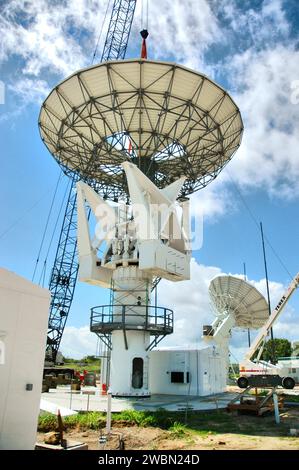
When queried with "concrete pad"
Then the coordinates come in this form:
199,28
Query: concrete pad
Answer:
80,401
53,408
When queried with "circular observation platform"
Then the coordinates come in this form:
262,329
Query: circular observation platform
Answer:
167,119
107,318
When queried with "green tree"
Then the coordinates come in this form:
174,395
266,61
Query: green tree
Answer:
275,348
69,360
89,359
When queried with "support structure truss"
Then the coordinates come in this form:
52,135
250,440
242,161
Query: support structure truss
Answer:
65,268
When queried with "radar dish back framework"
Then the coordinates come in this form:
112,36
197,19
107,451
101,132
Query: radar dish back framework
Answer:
166,119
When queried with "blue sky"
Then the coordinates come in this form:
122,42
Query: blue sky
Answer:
248,47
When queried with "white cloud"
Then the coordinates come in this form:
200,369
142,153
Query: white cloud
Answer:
61,36
50,35
78,342
268,156
262,25
30,91
49,39
53,39
214,201
287,329
182,30
190,302
260,71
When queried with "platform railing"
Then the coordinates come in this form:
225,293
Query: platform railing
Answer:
106,318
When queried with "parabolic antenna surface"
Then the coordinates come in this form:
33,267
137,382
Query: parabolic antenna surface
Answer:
168,120
230,294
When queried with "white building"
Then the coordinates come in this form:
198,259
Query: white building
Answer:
197,372
24,311
181,371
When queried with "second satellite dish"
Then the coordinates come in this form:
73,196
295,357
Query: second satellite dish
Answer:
231,295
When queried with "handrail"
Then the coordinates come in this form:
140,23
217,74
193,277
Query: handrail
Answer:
149,317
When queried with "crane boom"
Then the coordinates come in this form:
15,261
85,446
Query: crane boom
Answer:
119,30
65,269
273,317
261,374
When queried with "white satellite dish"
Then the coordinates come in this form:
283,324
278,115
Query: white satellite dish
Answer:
233,296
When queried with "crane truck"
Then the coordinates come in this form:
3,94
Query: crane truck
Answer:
259,373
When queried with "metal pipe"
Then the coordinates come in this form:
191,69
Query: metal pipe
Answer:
108,420
266,274
276,408
248,330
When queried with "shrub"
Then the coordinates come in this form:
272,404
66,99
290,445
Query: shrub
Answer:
178,430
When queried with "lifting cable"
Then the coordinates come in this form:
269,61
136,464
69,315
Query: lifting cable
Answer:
101,32
19,219
41,281
144,28
44,269
144,14
46,226
58,216
258,225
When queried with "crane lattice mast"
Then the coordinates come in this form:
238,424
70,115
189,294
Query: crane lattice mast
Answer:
65,269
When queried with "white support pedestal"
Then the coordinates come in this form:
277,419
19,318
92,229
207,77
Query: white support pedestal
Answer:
129,355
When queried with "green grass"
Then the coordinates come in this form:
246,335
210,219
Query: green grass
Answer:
178,430
92,420
198,423
291,398
96,420
92,367
47,422
139,418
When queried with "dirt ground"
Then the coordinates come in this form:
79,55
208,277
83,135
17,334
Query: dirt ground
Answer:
247,433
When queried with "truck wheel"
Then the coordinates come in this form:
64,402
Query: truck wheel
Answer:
242,382
288,382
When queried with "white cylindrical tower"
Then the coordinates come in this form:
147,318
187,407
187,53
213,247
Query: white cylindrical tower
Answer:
129,365
129,321
129,354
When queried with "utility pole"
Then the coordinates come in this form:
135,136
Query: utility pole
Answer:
268,293
266,274
248,329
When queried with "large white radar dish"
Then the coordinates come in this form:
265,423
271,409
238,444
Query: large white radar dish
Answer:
166,119
231,295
